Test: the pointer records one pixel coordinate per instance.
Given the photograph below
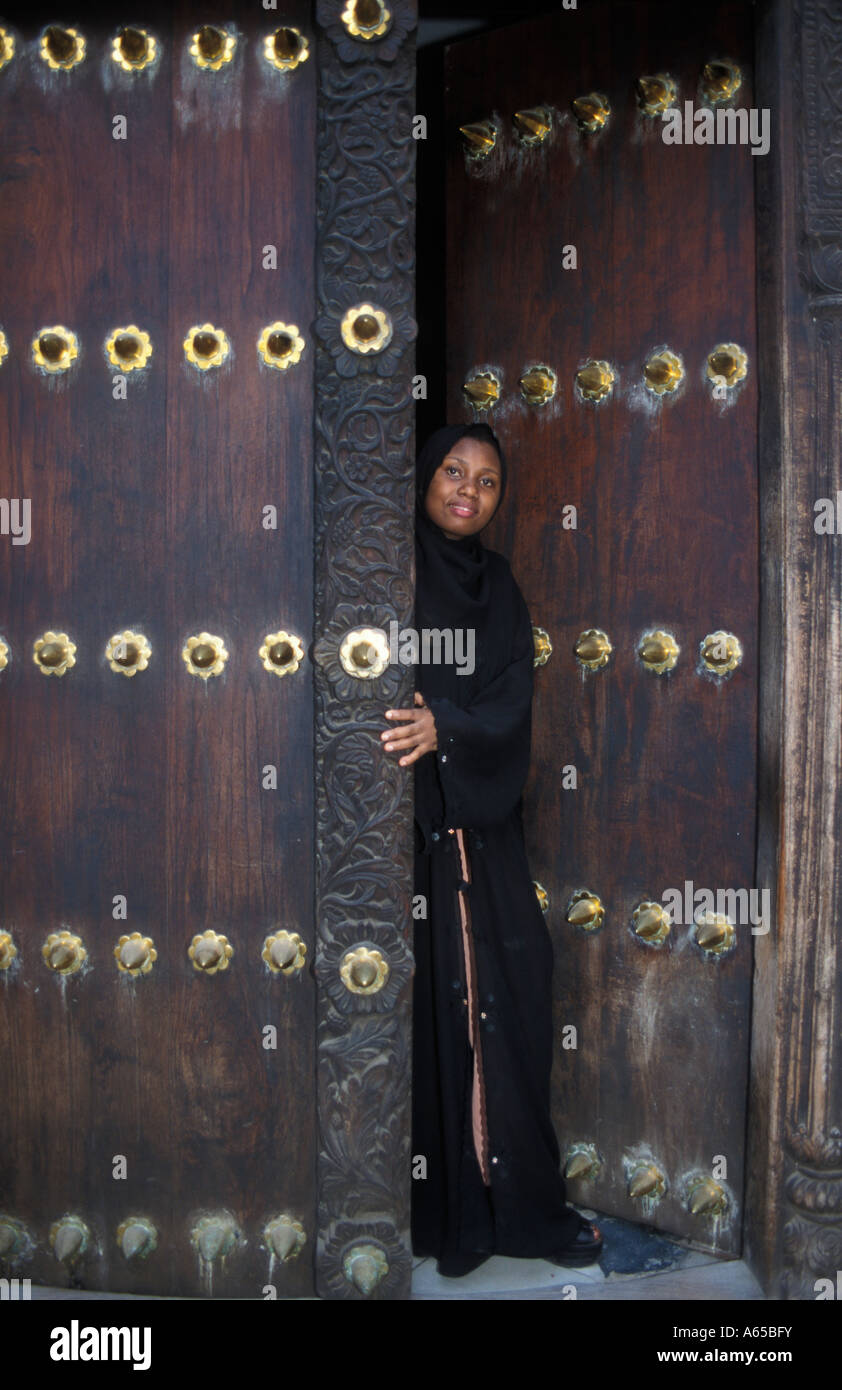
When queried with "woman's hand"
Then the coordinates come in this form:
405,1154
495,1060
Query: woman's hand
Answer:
418,732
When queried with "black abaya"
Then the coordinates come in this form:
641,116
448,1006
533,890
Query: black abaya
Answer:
484,960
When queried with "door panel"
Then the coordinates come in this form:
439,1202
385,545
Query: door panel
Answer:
664,488
148,514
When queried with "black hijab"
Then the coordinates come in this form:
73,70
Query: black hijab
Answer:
453,576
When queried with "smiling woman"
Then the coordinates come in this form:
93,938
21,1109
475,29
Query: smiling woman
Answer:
482,1002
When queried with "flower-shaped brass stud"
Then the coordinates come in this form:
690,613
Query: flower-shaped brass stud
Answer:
705,1197
727,365
128,652
593,649
721,652
210,952
204,655
366,19
591,111
363,970
655,94
595,381
8,951
585,910
4,346
285,1237
61,48
365,1266
284,952
543,646
69,1239
206,346
137,1237
280,345
658,651
135,954
482,390
281,653
651,922
211,48
533,124
714,933
64,953
542,895
538,385
215,1236
7,47
364,653
133,49
478,138
286,49
54,653
128,348
663,372
720,80
55,349
583,1162
365,328
5,651
646,1181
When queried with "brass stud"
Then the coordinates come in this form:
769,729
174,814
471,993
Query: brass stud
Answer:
55,349
482,390
133,49
543,646
128,348
720,81
706,1197
714,933
14,1237
583,1163
364,970
211,48
366,19
658,650
663,372
655,94
281,653
285,1237
478,138
206,346
286,49
135,954
204,655
366,329
595,381
585,910
64,953
7,47
128,652
721,652
61,48
593,649
215,1236
538,385
727,365
646,1182
542,895
284,952
210,952
4,343
591,111
69,1239
8,951
137,1237
280,345
533,125
54,653
365,1266
364,652
651,922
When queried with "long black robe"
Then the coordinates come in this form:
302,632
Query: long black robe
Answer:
474,783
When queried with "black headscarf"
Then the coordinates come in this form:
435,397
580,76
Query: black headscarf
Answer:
453,576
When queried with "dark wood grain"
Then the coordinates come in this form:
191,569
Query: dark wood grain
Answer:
667,537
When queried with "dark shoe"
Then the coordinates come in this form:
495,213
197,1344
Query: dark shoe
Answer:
583,1249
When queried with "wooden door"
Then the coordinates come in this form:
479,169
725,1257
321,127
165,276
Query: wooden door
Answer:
161,1096
592,267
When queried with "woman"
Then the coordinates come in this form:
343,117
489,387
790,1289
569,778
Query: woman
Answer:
482,995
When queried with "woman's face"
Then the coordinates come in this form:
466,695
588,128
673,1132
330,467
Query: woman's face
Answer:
465,488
